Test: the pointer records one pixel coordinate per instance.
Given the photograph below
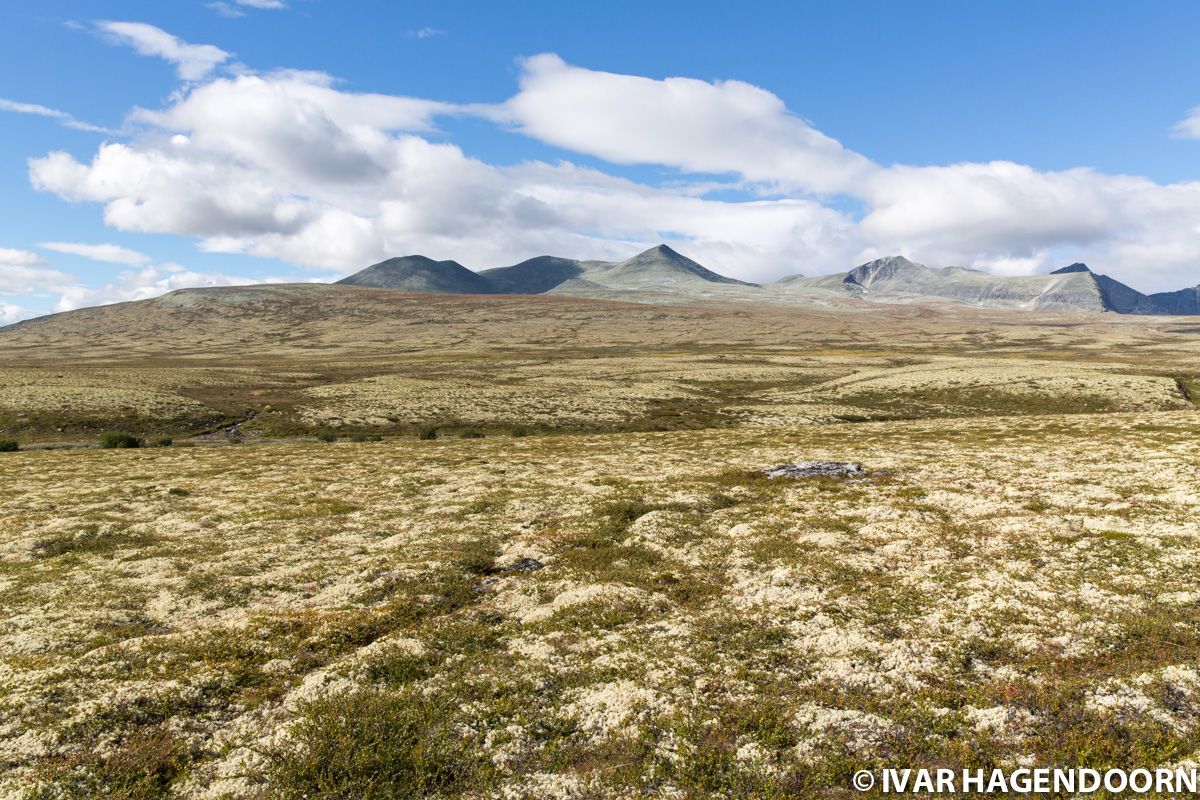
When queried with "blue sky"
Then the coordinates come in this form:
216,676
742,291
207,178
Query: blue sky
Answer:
1010,136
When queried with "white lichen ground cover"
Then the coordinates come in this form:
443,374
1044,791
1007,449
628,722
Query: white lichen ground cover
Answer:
287,620
766,390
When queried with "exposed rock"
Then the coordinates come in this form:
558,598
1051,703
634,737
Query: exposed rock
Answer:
817,469
882,269
524,565
1184,301
1076,267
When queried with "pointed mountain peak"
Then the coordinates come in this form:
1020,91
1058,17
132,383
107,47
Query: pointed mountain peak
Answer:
880,269
1114,295
662,264
657,255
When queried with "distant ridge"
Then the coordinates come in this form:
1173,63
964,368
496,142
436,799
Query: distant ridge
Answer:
1184,301
535,276
662,274
659,269
421,274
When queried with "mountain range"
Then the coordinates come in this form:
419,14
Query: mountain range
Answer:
660,274
659,269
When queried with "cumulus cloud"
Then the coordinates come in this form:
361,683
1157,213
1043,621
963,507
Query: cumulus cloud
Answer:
10,313
109,253
61,117
289,165
10,257
1014,218
192,61
1189,127
25,272
142,284
696,126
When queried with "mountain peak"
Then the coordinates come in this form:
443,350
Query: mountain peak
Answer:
1076,267
880,269
666,264
658,254
420,274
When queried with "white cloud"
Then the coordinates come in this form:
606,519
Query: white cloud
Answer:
266,109
233,11
10,257
999,215
192,61
16,279
426,33
722,127
1007,215
10,313
62,117
226,10
109,253
1189,126
148,282
25,272
288,165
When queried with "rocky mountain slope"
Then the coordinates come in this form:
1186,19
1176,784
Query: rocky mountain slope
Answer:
1184,301
661,274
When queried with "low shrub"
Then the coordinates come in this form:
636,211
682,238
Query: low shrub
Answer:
91,540
9,446
164,441
472,433
427,433
376,745
117,439
327,436
366,437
